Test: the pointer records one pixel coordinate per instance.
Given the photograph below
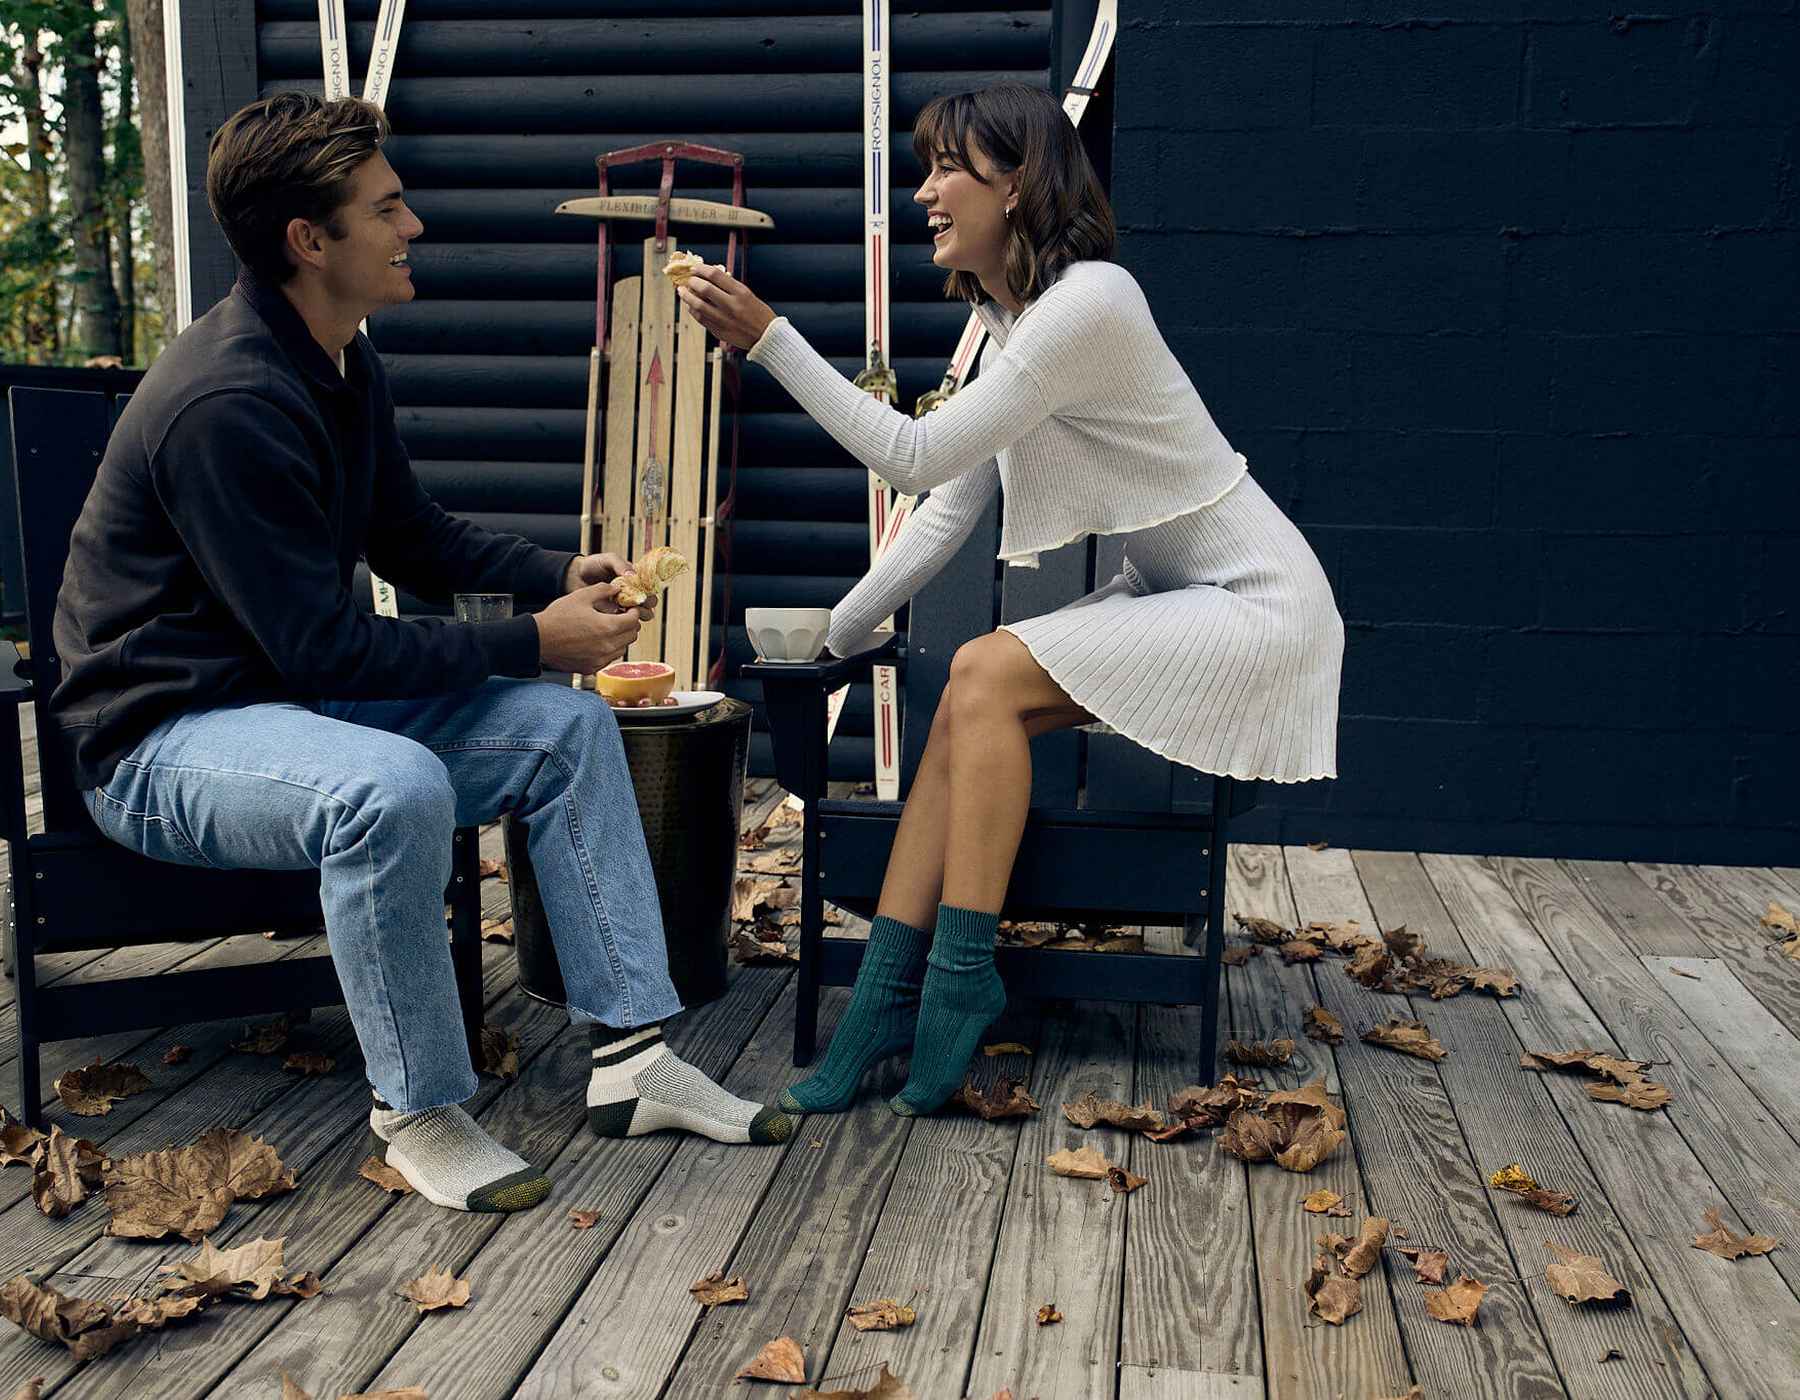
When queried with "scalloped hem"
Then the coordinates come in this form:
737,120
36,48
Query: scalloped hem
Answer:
1028,559
1146,744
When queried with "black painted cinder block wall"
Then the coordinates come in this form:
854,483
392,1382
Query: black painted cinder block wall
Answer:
1499,297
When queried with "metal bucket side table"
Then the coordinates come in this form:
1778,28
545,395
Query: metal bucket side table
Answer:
689,776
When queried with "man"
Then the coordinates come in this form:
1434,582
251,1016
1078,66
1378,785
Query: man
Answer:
228,704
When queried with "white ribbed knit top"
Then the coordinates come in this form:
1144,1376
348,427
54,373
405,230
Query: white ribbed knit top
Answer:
1094,427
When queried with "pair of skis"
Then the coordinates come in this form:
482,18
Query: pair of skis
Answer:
334,52
888,508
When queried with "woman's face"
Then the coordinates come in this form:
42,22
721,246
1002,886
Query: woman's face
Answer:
967,217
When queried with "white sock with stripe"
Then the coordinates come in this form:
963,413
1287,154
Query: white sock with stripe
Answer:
639,1085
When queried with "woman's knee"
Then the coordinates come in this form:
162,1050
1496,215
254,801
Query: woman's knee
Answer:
978,675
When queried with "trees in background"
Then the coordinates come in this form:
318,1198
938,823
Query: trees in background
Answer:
85,248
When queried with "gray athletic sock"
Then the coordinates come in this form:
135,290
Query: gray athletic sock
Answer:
448,1158
639,1085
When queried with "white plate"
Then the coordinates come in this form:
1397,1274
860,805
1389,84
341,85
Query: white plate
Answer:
687,702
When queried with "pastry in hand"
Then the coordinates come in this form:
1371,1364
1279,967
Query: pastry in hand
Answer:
649,576
681,267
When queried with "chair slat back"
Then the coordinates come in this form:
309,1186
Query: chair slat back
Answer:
58,438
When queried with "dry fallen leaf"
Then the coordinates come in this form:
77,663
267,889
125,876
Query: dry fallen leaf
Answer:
1555,1202
1007,1047
779,1360
187,1190
499,1051
1401,943
715,1289
252,1270
1299,951
94,1090
436,1288
1581,1278
1297,1128
1318,845
1428,1264
269,1038
498,928
1322,1026
52,1316
1124,1182
1324,1202
754,896
1239,954
584,1219
1090,1109
490,867
66,1170
177,1054
1264,1053
1007,1098
1364,1252
881,1315
1408,1037
1084,1162
1722,1241
309,1062
1196,1107
1501,981
19,1142
1048,1314
1370,965
887,1386
1457,1303
748,949
1512,1177
375,1170
1627,1083
1640,1093
1263,930
1781,920
1333,1297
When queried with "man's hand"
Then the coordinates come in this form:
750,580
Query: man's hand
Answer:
585,630
725,306
588,569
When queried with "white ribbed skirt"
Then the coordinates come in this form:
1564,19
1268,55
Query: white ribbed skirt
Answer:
1220,647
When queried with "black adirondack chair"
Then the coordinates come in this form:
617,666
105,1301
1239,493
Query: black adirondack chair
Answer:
72,888
1116,835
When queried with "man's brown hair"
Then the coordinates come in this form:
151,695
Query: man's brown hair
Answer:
1062,215
286,157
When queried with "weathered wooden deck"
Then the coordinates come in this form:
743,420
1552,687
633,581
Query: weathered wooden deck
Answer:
1191,1287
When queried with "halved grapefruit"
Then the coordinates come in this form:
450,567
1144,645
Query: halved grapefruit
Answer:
632,682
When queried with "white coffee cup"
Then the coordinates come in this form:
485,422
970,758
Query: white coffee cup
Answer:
787,634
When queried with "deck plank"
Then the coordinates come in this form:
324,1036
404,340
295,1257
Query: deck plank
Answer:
1509,1117
1644,919
1652,1174
1417,1170
1305,1359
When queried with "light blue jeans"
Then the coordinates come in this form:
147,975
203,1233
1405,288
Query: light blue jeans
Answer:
370,793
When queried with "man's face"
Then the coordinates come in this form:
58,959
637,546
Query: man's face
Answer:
367,267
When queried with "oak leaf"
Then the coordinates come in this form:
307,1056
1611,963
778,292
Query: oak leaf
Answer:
1124,1182
1007,1098
67,1169
1047,1315
880,1315
500,1051
1428,1264
1722,1241
1581,1278
436,1288
1322,1026
1083,1162
1457,1303
269,1038
375,1170
1329,1294
1261,1053
1408,1037
93,1090
887,1386
715,1289
779,1360
583,1219
1091,1109
1324,1202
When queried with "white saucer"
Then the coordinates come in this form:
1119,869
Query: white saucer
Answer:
687,702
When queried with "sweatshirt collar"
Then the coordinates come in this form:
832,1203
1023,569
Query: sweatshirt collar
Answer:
292,334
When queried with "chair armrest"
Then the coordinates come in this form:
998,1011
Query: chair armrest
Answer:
15,684
794,695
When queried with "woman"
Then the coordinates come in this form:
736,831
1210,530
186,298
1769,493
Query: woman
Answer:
1218,647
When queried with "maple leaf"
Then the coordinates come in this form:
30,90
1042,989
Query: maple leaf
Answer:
583,1219
375,1170
1408,1037
436,1288
1091,1109
498,928
309,1062
779,1360
1298,951
1239,954
149,1314
887,1386
187,1190
1261,1053
880,1315
66,1170
500,1051
1401,943
1428,1264
715,1289
93,1090
1722,1241
1364,1252
177,1054
1501,981
269,1038
1324,1202
1007,1047
1322,1026
1457,1303
253,1271
1628,1085
1340,936
1263,930
1048,1315
1329,1294
1006,1099
1080,1161
1581,1278
1123,1182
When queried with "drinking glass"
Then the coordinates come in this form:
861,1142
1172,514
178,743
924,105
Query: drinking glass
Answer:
483,607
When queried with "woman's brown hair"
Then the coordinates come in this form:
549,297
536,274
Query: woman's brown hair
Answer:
286,157
1062,215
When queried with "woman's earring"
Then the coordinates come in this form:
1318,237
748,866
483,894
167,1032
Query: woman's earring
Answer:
1009,210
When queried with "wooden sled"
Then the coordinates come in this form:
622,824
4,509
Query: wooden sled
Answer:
652,470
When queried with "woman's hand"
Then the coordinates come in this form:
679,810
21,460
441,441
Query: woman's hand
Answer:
725,306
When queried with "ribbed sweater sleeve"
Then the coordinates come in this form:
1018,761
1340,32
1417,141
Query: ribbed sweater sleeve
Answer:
931,535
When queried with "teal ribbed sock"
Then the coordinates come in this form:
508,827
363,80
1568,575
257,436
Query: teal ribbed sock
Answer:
878,1022
961,998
